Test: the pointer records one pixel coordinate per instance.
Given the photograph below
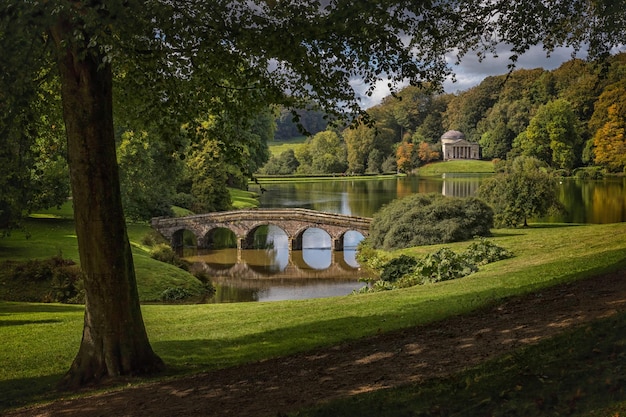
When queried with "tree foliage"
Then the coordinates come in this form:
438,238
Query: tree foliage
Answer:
426,153
524,189
442,265
610,141
553,135
294,123
360,142
284,164
148,176
33,169
405,157
324,153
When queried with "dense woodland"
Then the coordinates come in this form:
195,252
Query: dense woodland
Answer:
569,117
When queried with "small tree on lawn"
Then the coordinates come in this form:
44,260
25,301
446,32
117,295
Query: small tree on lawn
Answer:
524,189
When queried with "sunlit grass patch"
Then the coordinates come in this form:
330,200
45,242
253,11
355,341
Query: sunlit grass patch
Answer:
278,147
457,166
243,199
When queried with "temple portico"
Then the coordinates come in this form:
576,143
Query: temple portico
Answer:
454,146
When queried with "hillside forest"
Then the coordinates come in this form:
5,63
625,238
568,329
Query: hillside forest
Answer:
570,117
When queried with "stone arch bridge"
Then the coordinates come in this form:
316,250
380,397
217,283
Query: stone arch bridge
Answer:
244,223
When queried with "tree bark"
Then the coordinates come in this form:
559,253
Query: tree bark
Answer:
114,341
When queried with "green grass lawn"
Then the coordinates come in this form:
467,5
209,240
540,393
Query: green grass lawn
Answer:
243,199
278,147
40,340
458,166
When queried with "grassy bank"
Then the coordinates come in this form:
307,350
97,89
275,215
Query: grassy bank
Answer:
243,199
459,166
51,233
432,169
265,179
40,340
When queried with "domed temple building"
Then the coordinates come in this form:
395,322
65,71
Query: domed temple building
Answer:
455,146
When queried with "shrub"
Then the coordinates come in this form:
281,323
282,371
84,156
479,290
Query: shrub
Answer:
67,286
59,280
33,270
426,219
398,267
164,253
175,294
369,258
444,265
184,200
483,251
375,286
153,238
592,173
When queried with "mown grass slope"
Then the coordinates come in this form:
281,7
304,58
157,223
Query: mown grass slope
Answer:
39,341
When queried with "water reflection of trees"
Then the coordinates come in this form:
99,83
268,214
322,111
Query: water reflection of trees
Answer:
587,201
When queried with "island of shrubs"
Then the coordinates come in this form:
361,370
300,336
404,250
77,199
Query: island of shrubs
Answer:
427,219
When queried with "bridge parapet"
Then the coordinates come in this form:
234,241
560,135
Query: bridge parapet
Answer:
243,223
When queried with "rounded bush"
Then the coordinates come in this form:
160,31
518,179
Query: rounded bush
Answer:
164,253
427,219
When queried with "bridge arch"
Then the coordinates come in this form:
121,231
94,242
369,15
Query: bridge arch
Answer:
212,236
184,238
297,241
247,240
243,223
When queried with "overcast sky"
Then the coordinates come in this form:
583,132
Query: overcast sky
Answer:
471,72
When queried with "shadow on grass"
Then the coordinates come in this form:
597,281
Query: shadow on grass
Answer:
16,307
578,373
9,251
553,225
6,323
38,388
516,231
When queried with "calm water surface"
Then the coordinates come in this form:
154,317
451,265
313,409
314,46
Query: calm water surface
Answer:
317,271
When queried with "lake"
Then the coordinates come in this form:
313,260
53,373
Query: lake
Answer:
317,271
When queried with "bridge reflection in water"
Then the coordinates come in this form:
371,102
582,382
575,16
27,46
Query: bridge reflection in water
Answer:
279,273
293,258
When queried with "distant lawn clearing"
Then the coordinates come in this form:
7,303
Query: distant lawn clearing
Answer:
458,166
40,340
277,147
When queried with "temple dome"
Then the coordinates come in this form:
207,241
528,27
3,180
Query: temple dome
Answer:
453,135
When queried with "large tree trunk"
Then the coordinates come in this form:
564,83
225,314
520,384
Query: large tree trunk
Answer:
114,339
